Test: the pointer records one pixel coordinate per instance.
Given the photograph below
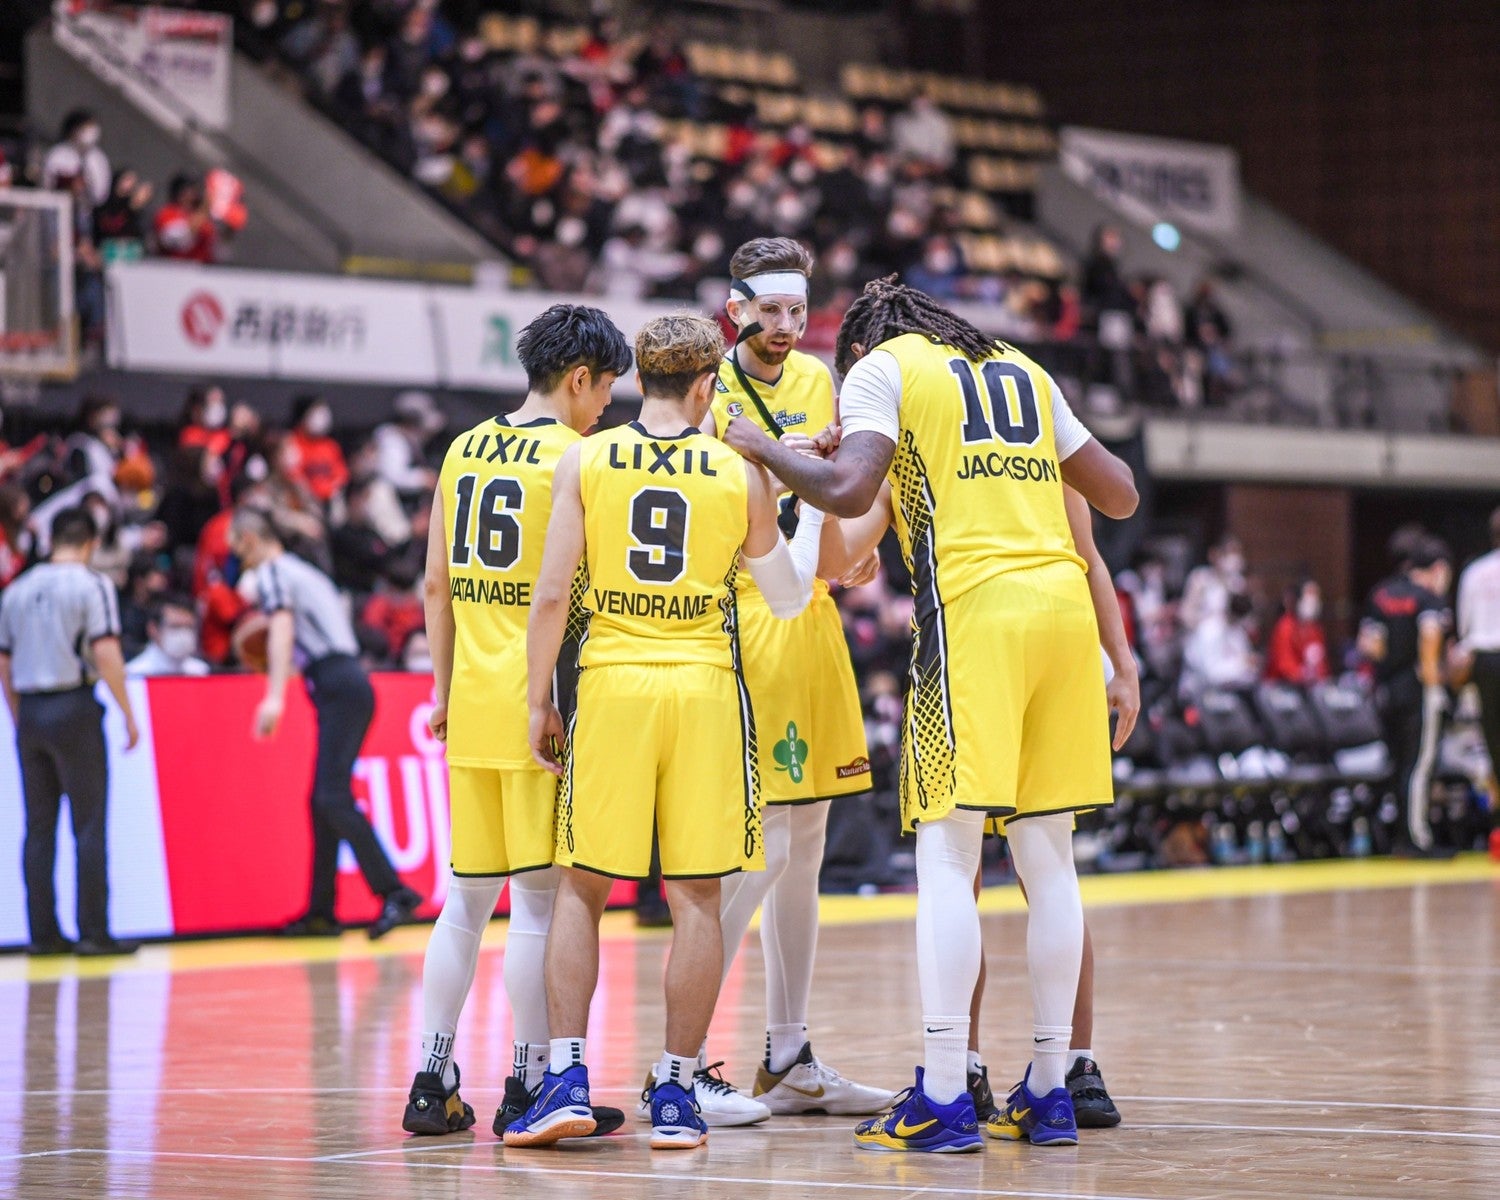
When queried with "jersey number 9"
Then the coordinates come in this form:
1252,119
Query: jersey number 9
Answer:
658,525
498,538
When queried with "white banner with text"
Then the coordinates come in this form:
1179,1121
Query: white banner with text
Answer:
1156,179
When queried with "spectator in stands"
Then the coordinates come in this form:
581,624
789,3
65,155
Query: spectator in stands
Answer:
361,548
191,497
1208,332
184,228
77,156
923,134
401,444
1479,654
941,271
15,534
1220,650
91,457
1298,651
395,610
146,581
203,423
416,653
312,457
173,649
1209,588
119,227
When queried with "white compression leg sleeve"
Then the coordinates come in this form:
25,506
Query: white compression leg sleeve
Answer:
743,893
448,970
531,897
947,946
1043,851
789,935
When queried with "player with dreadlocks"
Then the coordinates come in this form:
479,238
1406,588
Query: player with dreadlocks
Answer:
1006,714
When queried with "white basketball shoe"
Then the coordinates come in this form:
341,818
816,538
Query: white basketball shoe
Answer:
808,1086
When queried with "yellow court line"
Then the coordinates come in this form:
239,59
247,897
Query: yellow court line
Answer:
1099,891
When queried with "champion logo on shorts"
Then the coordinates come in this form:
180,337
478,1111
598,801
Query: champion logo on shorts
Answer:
860,766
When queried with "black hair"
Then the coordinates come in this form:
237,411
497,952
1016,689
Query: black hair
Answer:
1429,552
302,404
74,527
566,336
160,604
76,120
90,407
180,183
193,402
887,309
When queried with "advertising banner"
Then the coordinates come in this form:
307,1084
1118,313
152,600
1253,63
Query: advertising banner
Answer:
209,829
173,62
1156,179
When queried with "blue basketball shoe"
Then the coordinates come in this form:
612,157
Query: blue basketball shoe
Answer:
1046,1121
559,1110
676,1123
916,1122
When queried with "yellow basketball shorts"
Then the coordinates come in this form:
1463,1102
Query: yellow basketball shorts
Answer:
810,727
1006,711
669,746
503,820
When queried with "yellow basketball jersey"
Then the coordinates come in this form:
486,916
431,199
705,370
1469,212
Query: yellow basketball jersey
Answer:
496,485
801,401
978,487
664,520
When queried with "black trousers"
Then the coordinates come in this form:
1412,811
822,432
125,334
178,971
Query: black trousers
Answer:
1412,741
1487,681
60,740
345,704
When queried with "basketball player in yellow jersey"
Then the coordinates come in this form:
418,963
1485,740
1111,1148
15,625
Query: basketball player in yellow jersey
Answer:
1006,711
807,711
484,549
663,735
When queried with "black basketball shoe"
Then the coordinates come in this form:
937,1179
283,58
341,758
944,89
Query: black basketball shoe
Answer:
1092,1106
433,1109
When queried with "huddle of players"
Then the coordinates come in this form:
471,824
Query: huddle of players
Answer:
664,599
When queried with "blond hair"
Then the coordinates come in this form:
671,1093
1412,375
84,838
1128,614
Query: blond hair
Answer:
673,352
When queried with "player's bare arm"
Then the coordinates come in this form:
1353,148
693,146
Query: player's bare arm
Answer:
1124,690
848,543
437,605
547,624
280,637
1105,481
844,486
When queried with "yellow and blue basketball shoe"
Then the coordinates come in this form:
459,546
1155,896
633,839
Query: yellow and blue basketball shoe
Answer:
559,1110
915,1122
1046,1120
676,1123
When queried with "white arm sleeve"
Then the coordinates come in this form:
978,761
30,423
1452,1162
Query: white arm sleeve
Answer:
870,400
806,543
1068,431
775,574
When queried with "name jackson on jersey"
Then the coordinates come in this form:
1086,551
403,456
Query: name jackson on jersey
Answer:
1020,467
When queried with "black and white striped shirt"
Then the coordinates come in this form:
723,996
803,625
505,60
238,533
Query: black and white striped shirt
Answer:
50,618
289,583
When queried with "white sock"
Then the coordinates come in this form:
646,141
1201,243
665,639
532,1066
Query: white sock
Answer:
789,923
531,897
448,969
948,946
673,1068
1075,1054
783,1044
528,1061
437,1050
565,1053
1042,848
976,1064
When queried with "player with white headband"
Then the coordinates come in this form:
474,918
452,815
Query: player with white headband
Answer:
809,725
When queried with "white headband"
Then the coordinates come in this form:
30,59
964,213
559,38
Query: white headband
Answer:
772,283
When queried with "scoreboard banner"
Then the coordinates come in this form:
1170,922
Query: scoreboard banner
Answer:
209,829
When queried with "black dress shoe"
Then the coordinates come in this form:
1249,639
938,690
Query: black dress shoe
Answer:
104,947
398,910
51,948
312,926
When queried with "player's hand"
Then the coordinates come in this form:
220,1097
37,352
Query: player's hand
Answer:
748,439
862,572
132,732
802,444
1124,695
437,722
546,737
828,439
268,716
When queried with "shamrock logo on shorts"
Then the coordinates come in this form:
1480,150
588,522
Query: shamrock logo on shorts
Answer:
791,753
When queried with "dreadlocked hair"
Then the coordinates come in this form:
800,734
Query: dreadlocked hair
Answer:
887,309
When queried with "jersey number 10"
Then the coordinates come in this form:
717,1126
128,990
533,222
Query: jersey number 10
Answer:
1015,424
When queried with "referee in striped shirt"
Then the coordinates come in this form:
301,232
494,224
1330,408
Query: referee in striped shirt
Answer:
59,633
308,623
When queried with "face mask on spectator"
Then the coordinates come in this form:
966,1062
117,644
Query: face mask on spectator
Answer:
1232,564
941,262
178,643
434,83
570,231
1309,608
215,413
88,136
263,14
841,261
318,422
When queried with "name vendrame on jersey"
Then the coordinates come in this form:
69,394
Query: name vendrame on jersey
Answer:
504,449
665,461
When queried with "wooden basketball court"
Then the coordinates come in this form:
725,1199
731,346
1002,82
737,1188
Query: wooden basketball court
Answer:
1320,1030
